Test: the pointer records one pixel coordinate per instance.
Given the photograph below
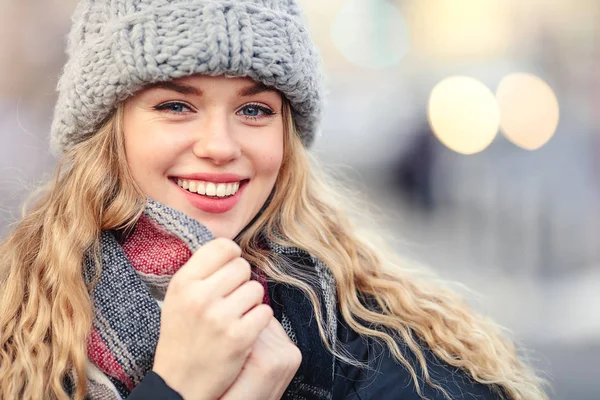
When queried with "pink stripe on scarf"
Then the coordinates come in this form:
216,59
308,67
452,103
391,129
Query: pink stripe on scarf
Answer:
153,251
100,355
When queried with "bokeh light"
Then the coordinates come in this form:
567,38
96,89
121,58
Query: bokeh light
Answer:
529,110
460,28
463,114
371,34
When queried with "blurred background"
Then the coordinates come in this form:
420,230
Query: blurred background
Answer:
472,125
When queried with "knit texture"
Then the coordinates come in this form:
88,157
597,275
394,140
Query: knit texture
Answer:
117,47
134,277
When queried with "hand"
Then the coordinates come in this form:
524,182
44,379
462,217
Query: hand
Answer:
270,367
211,317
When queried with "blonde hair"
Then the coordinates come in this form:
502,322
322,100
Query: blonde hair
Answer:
46,312
45,308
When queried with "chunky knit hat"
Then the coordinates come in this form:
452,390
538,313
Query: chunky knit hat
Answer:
117,47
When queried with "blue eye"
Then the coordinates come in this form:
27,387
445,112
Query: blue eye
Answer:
174,107
255,111
251,111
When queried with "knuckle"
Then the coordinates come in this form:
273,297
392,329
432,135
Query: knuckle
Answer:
262,314
256,289
259,317
266,312
243,264
242,268
227,246
255,285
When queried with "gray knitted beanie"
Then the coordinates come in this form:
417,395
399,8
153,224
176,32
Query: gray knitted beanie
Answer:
116,47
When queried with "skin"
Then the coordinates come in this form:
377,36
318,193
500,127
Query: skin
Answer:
217,341
205,127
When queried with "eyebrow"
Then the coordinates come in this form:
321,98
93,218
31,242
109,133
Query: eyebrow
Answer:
255,89
176,87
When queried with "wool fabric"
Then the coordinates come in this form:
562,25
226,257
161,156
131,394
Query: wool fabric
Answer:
134,276
117,47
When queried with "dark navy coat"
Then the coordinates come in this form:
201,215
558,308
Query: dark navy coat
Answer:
385,379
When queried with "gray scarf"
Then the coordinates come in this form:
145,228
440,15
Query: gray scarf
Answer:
127,314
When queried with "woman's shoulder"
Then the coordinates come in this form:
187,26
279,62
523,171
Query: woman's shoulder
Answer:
385,378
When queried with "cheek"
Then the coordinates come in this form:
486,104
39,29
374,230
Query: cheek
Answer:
271,163
271,160
138,152
146,151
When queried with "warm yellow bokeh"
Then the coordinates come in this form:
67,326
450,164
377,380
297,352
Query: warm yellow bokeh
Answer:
529,110
463,114
460,28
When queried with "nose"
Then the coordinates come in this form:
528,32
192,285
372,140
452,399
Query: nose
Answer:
215,141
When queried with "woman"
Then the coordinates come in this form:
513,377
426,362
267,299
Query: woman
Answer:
182,121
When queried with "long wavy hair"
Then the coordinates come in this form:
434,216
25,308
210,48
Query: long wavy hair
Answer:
46,311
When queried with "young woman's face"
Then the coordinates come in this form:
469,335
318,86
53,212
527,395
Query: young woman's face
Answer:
210,147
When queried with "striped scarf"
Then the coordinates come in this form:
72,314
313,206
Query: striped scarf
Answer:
135,275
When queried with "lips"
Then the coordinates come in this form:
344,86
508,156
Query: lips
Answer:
211,189
218,203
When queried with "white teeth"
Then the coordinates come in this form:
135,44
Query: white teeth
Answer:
201,188
209,188
221,190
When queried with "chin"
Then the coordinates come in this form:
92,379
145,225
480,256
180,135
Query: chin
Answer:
220,230
223,234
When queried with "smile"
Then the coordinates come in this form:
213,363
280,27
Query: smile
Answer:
209,189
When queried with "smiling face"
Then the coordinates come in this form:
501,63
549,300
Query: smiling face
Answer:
210,147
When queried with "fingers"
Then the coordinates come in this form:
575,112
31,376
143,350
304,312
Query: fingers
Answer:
231,276
254,321
242,300
208,259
